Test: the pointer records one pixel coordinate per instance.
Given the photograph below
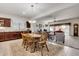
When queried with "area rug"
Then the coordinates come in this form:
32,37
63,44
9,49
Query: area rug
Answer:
18,50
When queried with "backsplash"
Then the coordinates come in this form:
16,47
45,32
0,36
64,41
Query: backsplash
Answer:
11,29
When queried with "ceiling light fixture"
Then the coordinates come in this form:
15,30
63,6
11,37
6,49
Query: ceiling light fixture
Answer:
30,20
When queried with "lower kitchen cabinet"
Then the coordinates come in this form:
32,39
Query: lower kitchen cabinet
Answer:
2,36
5,36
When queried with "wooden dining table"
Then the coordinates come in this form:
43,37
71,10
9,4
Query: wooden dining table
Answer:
33,35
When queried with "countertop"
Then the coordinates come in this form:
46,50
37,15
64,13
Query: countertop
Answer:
11,29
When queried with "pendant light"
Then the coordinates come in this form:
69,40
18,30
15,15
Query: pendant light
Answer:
31,20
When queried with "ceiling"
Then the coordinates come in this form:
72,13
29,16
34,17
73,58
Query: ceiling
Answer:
32,10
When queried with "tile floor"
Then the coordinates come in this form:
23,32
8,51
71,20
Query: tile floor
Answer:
66,51
72,41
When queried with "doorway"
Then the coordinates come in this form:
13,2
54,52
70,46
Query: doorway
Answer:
75,29
64,28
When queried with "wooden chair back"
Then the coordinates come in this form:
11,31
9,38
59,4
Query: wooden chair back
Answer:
23,37
29,38
44,37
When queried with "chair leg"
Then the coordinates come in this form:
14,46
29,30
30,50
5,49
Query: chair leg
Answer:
47,48
26,47
23,45
32,48
42,51
35,46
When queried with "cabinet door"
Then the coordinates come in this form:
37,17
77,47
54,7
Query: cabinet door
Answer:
2,36
7,23
9,36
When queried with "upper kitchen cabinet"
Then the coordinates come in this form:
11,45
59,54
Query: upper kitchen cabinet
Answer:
5,22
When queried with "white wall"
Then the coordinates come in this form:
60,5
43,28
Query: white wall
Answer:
33,27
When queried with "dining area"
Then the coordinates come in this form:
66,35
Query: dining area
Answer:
33,42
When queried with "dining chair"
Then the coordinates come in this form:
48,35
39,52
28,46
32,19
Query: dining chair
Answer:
30,43
43,43
24,40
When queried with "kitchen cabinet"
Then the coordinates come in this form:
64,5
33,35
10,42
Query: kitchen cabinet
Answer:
5,22
1,36
6,36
